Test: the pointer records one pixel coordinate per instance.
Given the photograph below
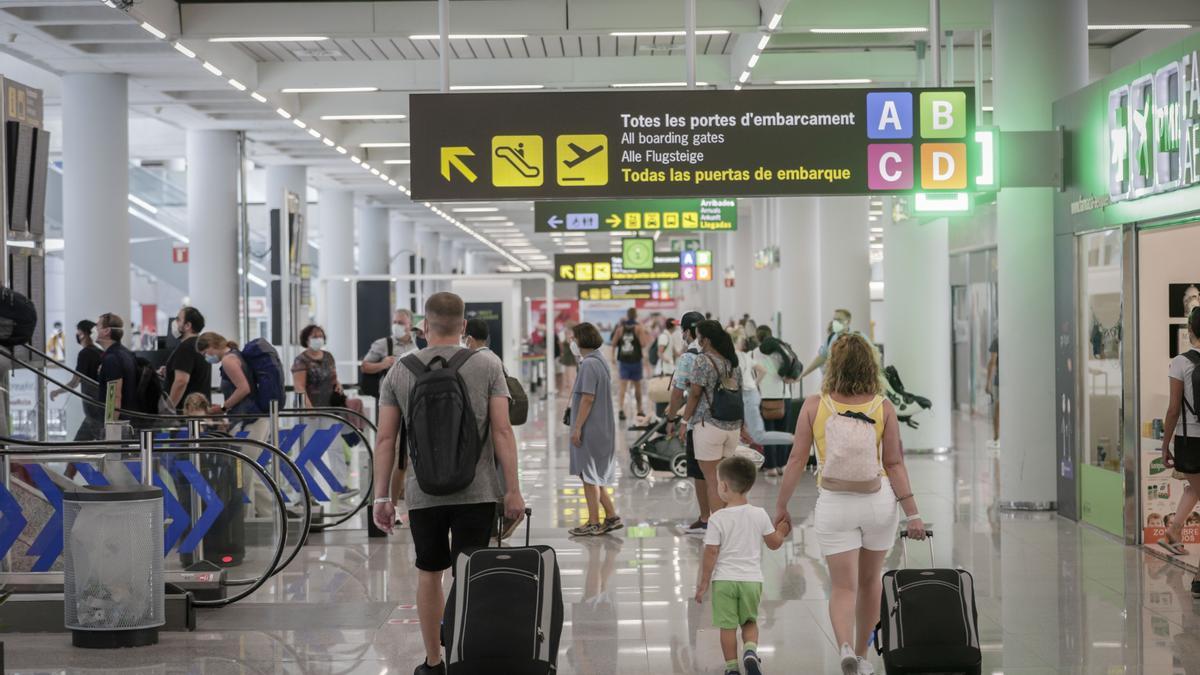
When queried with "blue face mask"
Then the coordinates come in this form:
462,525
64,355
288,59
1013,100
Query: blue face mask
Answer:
212,358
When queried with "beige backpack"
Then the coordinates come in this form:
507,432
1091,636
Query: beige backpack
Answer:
851,450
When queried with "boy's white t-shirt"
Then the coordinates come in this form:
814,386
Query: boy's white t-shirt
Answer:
1181,369
739,531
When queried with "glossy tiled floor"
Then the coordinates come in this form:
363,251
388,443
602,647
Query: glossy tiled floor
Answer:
1054,597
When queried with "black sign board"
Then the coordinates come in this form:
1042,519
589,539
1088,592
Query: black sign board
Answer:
493,314
615,215
581,145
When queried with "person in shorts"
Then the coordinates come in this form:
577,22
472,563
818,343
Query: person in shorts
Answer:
732,563
1182,424
714,439
681,381
445,525
630,341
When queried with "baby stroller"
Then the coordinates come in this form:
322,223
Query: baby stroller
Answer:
907,405
654,450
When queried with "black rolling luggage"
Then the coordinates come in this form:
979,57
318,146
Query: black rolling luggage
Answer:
928,621
505,612
225,541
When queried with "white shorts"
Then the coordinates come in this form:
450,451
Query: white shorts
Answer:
714,443
846,521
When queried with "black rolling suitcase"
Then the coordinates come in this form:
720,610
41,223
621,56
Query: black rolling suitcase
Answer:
928,622
225,541
505,611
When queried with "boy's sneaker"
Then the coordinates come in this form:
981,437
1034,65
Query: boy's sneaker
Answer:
698,527
849,660
752,663
865,667
732,672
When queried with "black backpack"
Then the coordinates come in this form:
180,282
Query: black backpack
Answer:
726,404
630,348
790,367
444,442
18,318
518,406
150,400
368,383
1193,356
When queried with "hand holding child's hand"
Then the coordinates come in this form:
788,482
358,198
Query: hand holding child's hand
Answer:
785,528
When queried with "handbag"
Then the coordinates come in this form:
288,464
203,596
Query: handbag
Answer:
773,409
567,417
658,389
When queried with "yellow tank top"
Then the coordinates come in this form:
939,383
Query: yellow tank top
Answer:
823,413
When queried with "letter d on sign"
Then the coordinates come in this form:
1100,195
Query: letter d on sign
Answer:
943,166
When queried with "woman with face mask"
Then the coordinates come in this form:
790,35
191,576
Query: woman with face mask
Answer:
236,376
314,372
593,431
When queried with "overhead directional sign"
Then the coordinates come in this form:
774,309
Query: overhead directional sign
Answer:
714,214
590,145
606,267
650,290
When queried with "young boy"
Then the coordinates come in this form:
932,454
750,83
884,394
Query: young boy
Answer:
733,562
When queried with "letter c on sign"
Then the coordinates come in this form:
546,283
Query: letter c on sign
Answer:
890,176
943,166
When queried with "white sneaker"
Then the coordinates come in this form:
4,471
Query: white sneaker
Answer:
865,667
849,660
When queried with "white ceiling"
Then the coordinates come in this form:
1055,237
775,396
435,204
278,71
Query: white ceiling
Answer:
563,44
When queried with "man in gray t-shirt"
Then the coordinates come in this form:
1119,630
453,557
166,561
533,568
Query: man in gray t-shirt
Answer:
445,525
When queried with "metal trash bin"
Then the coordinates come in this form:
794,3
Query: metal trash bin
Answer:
113,565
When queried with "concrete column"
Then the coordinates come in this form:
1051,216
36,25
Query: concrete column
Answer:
844,257
725,249
402,243
458,254
754,287
336,223
212,219
916,309
286,178
445,260
1040,52
798,278
428,249
95,197
372,226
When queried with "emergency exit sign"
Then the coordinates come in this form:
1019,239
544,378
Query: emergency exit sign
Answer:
179,255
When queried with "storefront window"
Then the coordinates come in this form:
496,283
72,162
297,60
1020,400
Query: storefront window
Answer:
1099,380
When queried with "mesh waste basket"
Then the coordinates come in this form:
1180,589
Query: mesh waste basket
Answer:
113,565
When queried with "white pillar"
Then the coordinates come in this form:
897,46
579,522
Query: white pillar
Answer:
458,253
1040,51
916,309
286,178
372,225
844,257
336,224
798,278
725,258
95,196
212,219
401,245
428,249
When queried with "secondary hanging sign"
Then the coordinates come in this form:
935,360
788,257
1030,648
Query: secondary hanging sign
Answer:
606,267
615,215
592,145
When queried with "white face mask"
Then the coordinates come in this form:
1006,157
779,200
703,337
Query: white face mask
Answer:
575,350
399,331
316,344
838,326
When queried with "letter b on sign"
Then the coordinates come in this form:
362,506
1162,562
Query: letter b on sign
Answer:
943,114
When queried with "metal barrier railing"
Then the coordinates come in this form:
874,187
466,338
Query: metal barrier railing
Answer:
146,446
163,422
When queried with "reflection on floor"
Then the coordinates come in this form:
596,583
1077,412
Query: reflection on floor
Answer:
1053,597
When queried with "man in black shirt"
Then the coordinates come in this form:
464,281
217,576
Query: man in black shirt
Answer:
118,362
87,365
187,372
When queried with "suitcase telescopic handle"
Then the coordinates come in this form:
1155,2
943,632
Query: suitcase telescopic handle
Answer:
904,546
500,527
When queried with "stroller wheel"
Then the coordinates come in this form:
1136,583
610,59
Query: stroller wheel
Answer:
639,466
679,465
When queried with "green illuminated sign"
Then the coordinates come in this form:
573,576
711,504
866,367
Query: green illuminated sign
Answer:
637,215
637,253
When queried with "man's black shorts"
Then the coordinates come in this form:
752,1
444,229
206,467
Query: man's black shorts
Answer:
1187,455
693,467
440,533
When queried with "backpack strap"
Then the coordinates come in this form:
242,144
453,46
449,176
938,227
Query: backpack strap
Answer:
459,359
1192,356
391,347
414,364
875,407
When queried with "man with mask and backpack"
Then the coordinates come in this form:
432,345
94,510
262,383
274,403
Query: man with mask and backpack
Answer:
629,345
455,411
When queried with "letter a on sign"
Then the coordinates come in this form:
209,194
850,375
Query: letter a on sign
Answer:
890,117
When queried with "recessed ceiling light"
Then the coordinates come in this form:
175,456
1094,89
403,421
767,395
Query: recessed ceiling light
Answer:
472,36
314,133
327,90
397,161
300,123
494,87
184,50
258,97
341,150
663,85
149,28
283,113
753,60
271,38
843,80
865,31
327,141
212,69
987,108
667,33
1139,26
775,21
743,77
476,209
365,116
762,42
491,218
237,85
384,145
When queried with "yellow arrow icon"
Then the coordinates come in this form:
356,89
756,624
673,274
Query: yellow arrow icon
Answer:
453,156
614,220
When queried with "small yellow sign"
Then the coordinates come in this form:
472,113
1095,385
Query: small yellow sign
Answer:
603,271
583,271
517,161
582,159
691,220
633,221
670,220
651,220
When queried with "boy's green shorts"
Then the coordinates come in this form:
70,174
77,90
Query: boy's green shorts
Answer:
735,603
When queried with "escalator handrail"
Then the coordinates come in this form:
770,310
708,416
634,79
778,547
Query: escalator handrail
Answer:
281,517
7,444
8,351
